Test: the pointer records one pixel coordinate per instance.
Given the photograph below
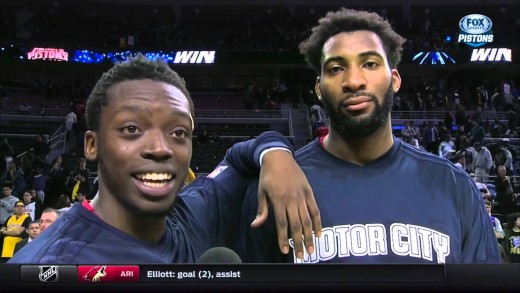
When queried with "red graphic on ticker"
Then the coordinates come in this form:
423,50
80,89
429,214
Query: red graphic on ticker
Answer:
108,274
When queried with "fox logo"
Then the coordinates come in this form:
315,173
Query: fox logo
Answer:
95,274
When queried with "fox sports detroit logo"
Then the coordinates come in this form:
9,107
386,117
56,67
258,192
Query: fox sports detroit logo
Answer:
475,30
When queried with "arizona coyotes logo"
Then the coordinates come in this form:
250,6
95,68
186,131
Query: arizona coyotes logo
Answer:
48,273
95,274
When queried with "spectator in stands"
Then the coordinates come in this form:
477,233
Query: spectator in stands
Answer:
80,183
82,167
499,232
39,182
318,116
504,157
457,99
505,194
57,182
70,124
460,160
513,118
460,117
498,129
7,203
448,120
15,176
508,101
49,216
447,148
477,116
41,149
512,243
482,162
32,207
476,133
461,140
33,231
63,204
430,137
408,132
417,132
14,230
80,197
6,154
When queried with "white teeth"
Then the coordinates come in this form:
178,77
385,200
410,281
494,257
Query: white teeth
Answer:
154,176
154,184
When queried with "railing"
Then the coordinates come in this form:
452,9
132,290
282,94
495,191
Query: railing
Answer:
403,115
238,114
59,136
291,130
439,115
308,118
36,111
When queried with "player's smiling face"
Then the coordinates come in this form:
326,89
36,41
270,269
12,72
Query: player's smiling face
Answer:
356,83
143,145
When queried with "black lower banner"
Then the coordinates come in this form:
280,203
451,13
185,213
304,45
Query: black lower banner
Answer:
316,273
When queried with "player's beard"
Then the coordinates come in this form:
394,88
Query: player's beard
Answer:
359,127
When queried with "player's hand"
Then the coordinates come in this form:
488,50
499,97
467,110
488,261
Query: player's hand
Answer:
285,185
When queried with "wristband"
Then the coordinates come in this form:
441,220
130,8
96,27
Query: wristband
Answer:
271,149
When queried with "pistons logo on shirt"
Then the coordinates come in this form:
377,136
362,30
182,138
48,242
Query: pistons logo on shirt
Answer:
217,171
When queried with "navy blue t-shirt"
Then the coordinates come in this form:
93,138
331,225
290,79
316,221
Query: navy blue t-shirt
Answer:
408,206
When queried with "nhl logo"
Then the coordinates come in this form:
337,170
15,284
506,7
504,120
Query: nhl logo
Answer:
48,273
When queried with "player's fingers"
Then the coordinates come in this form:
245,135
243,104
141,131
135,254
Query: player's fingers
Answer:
306,222
314,213
281,229
295,226
262,212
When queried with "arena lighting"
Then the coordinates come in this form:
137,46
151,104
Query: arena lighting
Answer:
491,54
434,58
180,57
47,54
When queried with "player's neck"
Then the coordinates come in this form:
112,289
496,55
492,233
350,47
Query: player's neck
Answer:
142,227
516,229
360,151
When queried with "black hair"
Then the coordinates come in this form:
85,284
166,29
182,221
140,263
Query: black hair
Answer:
136,68
348,20
34,222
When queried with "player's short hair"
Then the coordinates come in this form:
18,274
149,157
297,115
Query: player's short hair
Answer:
136,68
349,20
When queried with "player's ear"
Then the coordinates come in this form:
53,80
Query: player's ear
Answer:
317,89
396,80
90,146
